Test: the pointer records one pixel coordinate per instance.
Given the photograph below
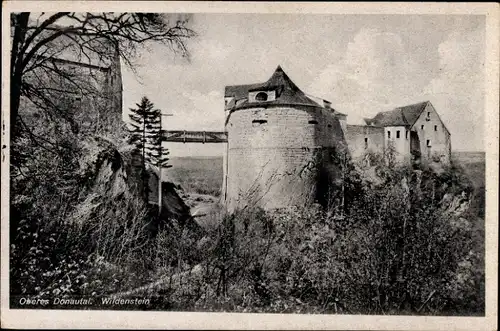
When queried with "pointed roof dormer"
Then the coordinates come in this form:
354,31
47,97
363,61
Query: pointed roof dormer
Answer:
279,89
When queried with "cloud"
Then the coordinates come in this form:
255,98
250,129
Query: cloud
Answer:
375,70
458,89
203,111
379,71
395,62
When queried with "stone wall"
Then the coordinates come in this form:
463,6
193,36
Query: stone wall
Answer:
363,139
98,91
399,138
276,156
114,87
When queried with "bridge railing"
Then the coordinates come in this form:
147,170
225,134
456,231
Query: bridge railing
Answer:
184,136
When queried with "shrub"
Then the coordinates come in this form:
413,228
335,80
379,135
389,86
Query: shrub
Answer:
396,251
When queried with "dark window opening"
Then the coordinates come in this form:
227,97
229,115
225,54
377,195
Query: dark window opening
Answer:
422,127
428,114
435,127
313,122
388,134
366,143
406,135
261,96
397,134
428,143
329,125
259,121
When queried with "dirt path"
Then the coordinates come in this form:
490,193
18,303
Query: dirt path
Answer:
170,282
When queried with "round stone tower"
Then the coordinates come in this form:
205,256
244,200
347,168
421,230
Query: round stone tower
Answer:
281,145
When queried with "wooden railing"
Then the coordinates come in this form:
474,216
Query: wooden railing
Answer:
195,136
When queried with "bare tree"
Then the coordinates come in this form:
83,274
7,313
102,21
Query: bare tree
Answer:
39,39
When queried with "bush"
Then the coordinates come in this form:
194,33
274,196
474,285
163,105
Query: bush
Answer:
396,251
55,250
94,245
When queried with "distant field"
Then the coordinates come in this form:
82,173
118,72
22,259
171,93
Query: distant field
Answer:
468,157
197,174
474,165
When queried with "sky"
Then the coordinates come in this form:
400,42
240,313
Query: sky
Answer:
363,64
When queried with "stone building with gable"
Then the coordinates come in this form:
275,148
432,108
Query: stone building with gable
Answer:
414,132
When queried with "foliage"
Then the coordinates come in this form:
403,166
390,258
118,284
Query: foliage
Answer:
55,251
94,38
77,223
398,250
146,133
400,247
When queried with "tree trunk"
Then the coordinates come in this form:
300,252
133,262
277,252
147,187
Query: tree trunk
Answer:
16,60
15,99
144,172
160,152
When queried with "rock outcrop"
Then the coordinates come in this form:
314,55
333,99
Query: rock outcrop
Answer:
110,174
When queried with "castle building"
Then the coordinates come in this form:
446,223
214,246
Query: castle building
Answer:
414,133
284,146
84,79
280,144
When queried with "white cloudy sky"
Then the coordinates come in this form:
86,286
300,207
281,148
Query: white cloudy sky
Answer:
363,64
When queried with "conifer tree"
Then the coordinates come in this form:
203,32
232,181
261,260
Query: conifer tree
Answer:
146,136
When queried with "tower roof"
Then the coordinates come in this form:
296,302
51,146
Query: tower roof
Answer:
286,92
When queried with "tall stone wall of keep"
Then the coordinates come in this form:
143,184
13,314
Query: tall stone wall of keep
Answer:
358,146
114,87
279,156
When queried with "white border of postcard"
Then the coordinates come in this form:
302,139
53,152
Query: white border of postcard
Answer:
11,318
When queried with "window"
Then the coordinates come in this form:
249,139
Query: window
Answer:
428,114
313,122
258,122
435,127
388,134
428,143
329,125
406,134
397,134
422,127
366,143
261,96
